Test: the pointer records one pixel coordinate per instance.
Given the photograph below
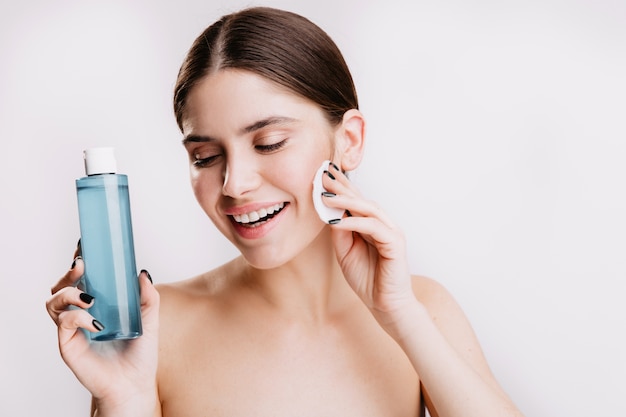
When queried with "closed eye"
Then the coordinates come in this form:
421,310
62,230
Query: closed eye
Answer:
205,162
272,147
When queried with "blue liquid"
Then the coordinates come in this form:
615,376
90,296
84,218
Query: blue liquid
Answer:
109,255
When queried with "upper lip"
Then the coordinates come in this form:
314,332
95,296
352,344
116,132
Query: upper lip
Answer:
250,208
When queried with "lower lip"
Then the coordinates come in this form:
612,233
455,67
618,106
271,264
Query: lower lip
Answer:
258,231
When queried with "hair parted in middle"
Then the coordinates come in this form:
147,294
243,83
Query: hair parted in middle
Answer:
279,45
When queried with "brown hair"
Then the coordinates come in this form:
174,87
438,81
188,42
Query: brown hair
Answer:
281,46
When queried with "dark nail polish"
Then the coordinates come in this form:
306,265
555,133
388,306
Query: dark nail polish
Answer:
78,244
327,194
348,213
332,177
74,262
334,221
148,275
99,326
86,298
335,166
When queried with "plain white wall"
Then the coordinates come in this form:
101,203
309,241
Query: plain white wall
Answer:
497,139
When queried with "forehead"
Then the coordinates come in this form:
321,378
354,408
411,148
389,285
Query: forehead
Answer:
225,101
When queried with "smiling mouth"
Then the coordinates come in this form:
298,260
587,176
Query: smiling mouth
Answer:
258,217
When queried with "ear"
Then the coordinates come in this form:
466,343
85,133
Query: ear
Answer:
350,140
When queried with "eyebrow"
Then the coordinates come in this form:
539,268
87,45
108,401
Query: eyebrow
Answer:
197,139
274,120
258,125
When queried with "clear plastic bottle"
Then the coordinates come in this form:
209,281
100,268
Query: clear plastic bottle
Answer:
107,247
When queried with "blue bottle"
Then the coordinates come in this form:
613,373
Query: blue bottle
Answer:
107,247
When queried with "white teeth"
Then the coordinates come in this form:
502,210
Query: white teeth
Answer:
255,216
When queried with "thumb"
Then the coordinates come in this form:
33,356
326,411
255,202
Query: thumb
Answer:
150,301
342,242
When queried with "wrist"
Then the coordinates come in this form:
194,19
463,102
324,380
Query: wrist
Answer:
400,322
138,405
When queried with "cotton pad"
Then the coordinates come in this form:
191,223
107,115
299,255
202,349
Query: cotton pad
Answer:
326,213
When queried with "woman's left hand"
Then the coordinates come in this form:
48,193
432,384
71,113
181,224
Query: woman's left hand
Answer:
370,249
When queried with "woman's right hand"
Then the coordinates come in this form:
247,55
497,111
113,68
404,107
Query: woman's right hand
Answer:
120,375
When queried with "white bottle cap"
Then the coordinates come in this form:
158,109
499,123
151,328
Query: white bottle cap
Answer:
100,161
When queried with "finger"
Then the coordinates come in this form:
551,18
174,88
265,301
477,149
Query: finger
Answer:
343,242
388,241
150,301
344,194
337,173
71,277
68,296
78,252
70,321
335,177
356,206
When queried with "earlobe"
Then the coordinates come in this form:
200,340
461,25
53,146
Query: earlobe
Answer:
350,140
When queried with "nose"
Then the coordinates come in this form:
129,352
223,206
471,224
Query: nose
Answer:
240,177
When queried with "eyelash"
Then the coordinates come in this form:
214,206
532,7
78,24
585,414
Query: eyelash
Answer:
204,162
272,147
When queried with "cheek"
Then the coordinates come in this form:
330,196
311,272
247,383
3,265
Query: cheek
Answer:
194,177
296,175
197,189
204,188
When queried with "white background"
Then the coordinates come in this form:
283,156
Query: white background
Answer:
497,139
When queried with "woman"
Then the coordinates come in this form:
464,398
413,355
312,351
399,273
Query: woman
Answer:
312,318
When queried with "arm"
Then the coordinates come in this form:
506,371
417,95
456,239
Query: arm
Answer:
97,411
428,325
452,361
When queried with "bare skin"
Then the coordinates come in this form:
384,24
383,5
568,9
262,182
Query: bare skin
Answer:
265,359
311,319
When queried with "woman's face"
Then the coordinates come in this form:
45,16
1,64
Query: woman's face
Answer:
254,148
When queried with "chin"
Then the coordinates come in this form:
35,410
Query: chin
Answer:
280,248
265,261
274,254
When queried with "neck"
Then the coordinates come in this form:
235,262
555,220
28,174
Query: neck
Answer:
310,287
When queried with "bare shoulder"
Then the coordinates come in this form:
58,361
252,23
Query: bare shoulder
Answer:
436,298
452,322
444,310
205,285
186,303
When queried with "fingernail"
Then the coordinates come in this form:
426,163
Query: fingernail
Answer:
148,275
99,326
334,221
335,166
74,262
327,194
86,298
348,213
332,177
